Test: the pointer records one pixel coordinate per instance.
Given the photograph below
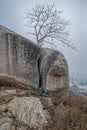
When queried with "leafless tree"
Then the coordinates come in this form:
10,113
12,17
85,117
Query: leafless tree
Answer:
48,25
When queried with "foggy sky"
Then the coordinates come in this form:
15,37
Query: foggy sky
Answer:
12,14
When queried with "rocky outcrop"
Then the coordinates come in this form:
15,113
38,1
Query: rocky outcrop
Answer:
22,59
28,110
5,124
18,57
54,72
21,109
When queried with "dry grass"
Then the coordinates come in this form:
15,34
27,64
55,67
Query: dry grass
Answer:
11,83
73,116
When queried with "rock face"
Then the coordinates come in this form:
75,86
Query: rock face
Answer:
5,124
53,70
28,110
18,57
22,59
21,106
22,109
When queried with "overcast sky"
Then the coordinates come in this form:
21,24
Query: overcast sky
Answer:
12,14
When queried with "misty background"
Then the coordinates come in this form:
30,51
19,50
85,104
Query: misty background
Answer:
12,14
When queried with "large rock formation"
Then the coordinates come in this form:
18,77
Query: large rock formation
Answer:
21,106
22,59
18,57
53,70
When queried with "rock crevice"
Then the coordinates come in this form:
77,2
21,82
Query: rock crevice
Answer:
22,59
21,105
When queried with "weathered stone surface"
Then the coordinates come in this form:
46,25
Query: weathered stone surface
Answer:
5,126
3,107
7,92
46,101
54,70
18,57
22,59
28,110
5,99
3,120
5,123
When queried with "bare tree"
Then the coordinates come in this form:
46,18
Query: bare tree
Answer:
48,25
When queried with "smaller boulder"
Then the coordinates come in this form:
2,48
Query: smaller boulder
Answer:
5,126
5,123
28,110
46,101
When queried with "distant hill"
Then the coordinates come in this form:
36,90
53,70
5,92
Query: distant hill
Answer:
78,87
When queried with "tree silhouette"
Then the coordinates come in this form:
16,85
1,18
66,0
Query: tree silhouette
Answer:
48,25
